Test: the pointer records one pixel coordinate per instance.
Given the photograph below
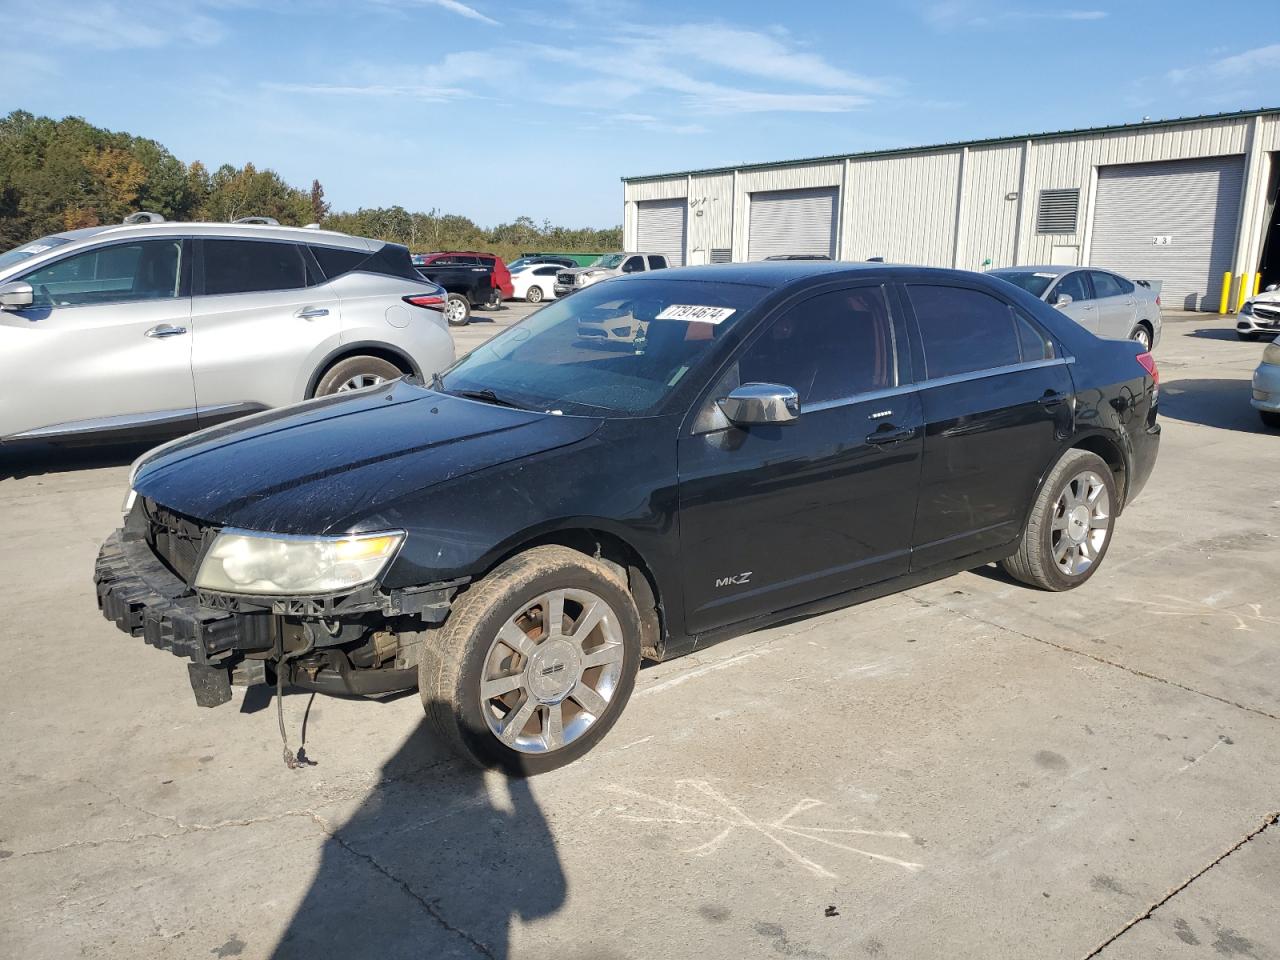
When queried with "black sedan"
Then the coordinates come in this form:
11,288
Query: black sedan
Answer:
761,442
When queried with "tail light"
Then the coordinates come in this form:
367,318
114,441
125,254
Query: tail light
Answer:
1149,364
1157,299
428,301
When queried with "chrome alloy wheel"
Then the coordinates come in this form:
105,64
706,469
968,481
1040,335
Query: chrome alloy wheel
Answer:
1081,521
455,311
360,382
552,671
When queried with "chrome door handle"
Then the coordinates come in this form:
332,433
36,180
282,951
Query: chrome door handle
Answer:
310,313
165,330
1052,399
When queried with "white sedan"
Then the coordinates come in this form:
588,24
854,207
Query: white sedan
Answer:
535,282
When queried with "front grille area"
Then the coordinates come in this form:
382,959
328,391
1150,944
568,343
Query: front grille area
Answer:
564,279
1269,314
177,540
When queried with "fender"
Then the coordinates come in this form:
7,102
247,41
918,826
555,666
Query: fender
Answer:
669,589
336,349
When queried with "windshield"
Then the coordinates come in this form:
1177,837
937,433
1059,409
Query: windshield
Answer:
1035,283
18,254
614,349
609,260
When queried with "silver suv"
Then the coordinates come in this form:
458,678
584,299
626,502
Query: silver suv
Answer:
610,265
123,332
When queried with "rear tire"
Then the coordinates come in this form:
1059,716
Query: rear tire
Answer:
1141,335
1270,419
356,373
533,294
510,685
1070,527
457,310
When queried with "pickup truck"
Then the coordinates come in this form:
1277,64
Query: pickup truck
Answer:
610,265
468,279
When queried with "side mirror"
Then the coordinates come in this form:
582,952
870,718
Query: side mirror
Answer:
754,403
15,295
1061,299
1271,288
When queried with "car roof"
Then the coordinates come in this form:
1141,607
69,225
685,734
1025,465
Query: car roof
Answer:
205,228
778,273
1057,269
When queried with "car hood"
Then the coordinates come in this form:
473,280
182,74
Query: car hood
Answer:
576,270
1269,297
342,463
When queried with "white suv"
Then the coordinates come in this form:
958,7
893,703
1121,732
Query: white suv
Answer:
610,265
123,332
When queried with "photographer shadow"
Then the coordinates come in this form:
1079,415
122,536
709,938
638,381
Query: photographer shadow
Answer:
439,861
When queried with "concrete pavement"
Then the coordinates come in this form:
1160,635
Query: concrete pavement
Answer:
968,769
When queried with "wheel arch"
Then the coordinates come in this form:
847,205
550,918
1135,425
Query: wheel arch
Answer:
361,348
599,539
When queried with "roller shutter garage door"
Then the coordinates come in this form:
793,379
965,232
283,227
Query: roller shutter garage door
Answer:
1173,221
660,228
792,221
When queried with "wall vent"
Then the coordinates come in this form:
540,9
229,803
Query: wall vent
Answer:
1058,211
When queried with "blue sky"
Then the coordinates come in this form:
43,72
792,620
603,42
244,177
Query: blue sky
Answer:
494,110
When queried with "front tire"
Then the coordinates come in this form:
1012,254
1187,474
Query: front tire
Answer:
356,373
535,663
457,310
1070,526
533,294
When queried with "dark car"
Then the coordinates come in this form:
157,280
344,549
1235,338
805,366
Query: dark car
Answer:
783,439
471,279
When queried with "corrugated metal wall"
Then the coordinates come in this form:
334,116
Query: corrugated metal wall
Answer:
914,207
989,222
902,209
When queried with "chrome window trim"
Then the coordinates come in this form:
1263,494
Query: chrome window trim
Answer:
935,382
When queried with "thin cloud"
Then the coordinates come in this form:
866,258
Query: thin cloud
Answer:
1233,67
967,13
461,9
110,25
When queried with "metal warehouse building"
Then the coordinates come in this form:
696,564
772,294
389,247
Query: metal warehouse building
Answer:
1180,201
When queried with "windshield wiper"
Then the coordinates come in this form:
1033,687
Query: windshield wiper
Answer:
486,395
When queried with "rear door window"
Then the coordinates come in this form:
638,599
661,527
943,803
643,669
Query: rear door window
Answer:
546,271
1106,285
963,330
252,266
657,263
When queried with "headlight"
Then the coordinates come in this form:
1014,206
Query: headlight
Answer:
1246,310
1272,353
273,564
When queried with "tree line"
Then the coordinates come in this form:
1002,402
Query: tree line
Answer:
58,175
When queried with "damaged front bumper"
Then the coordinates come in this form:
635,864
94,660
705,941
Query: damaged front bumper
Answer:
360,644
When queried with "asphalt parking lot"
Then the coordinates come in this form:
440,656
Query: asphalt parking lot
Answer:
969,769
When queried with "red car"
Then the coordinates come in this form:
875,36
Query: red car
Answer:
465,258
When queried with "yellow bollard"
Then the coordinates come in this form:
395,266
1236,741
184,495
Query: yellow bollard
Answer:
1226,293
1244,292
1257,284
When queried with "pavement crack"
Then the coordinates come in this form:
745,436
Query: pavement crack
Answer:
184,830
1095,658
1268,821
429,907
